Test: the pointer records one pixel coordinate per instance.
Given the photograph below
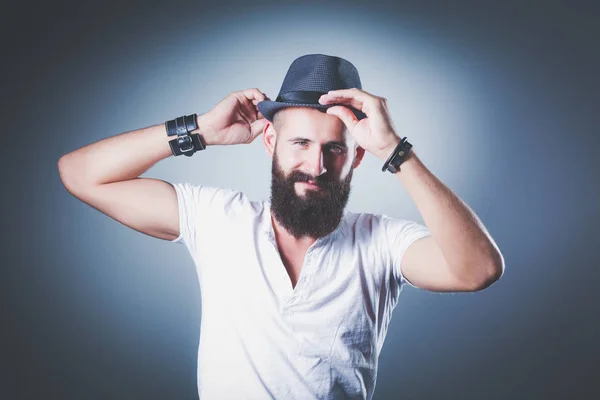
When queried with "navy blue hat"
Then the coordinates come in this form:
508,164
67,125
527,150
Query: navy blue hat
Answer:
309,77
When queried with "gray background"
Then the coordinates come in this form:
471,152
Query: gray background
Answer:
499,99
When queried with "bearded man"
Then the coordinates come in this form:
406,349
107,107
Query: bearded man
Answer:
297,292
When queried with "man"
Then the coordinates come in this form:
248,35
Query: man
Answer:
297,292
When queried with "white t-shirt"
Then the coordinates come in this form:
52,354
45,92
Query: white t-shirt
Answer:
262,339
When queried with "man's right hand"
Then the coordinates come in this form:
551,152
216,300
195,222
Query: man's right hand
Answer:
106,174
234,120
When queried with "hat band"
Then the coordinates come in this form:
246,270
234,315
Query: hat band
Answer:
300,96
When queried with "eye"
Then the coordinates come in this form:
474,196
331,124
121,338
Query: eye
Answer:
301,142
336,149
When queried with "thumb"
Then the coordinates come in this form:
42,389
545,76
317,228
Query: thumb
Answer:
344,113
257,127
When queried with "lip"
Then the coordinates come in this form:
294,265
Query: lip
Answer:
311,185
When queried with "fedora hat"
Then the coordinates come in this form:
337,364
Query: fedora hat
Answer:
309,77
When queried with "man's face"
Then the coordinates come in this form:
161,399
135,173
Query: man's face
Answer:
311,171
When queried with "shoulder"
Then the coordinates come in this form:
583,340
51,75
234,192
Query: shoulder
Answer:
382,228
364,223
213,200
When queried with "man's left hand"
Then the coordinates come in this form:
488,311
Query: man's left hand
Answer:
376,133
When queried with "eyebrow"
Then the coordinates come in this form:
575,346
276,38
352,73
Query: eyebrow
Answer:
335,142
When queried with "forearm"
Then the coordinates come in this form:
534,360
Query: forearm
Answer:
463,239
117,158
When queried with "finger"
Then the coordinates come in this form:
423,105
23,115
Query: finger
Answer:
254,94
352,101
350,93
249,112
345,114
355,97
257,127
255,103
249,108
355,93
245,107
361,100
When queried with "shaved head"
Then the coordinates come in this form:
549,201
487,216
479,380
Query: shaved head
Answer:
278,119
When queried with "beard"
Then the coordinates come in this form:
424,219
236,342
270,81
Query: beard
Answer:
316,213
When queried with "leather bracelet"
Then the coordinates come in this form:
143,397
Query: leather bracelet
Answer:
181,125
186,144
397,157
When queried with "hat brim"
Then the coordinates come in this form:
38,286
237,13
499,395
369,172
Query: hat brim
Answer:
268,108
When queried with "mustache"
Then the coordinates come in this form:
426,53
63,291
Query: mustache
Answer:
299,176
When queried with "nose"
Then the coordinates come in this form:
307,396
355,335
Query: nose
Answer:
315,163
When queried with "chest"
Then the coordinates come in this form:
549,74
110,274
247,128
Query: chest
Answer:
292,259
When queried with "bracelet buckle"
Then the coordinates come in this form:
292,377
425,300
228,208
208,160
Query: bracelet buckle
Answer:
397,157
185,143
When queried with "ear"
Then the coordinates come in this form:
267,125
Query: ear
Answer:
269,137
360,153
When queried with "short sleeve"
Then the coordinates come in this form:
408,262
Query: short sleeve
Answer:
200,206
401,234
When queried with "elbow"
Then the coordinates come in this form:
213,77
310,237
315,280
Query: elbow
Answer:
488,273
69,175
64,172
